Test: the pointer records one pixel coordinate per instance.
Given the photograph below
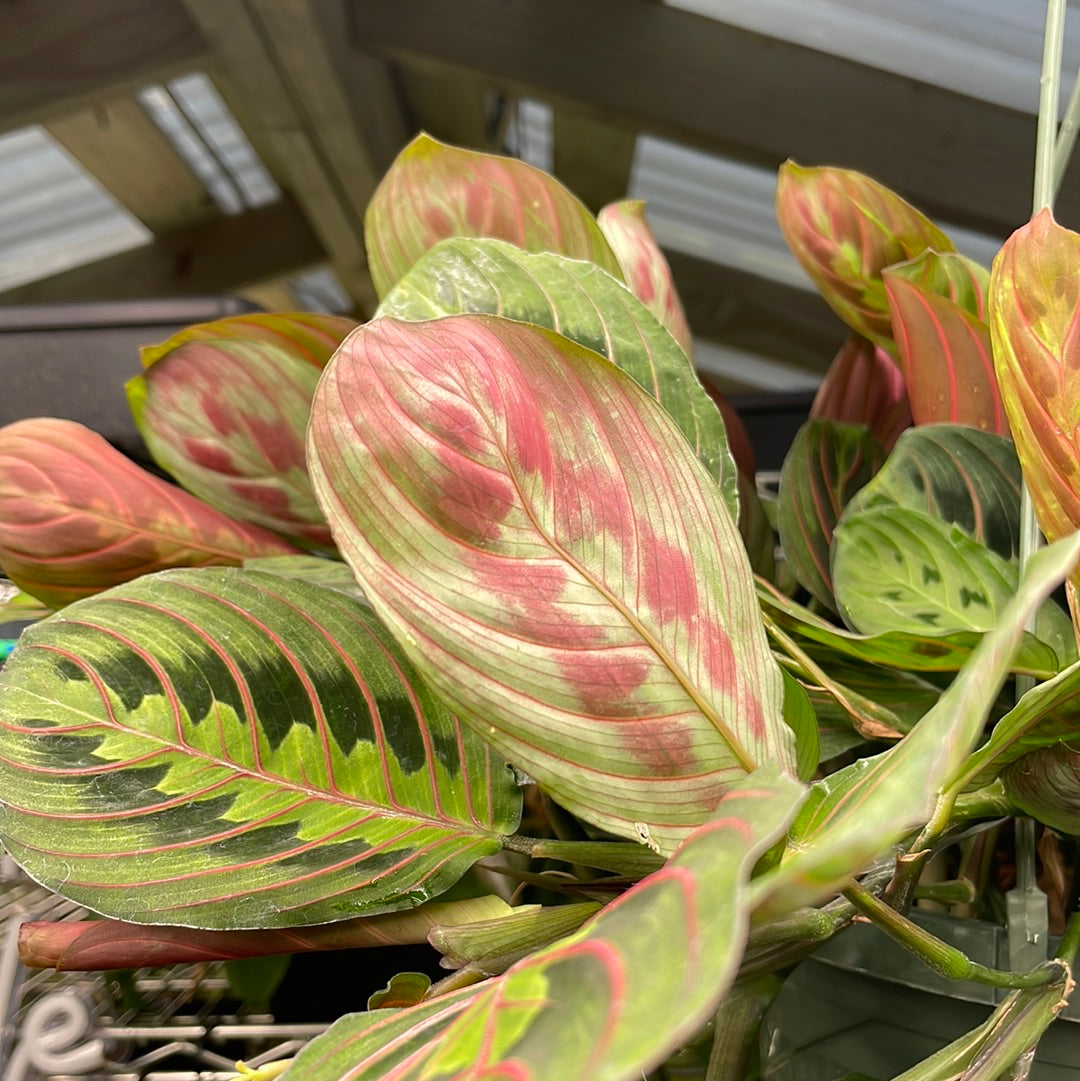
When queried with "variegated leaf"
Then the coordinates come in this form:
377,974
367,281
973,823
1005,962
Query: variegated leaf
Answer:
827,464
864,386
957,474
77,517
433,191
909,651
845,228
856,815
1045,784
227,416
597,1005
901,569
581,302
229,749
1033,303
309,336
644,266
537,534
943,341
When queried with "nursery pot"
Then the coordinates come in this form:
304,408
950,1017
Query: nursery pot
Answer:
865,1005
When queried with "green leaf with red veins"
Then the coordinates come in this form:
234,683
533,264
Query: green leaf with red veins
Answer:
77,517
581,302
644,266
1033,302
1046,785
227,749
855,816
827,464
845,228
864,386
943,341
956,474
434,191
536,532
227,418
597,1005
308,336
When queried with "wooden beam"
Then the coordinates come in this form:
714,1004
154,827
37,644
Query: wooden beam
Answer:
215,257
278,61
56,56
756,315
447,102
754,98
125,151
592,156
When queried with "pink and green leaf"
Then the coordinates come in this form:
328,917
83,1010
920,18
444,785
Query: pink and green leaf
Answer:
226,749
1033,304
227,417
845,229
596,1005
943,341
101,944
77,517
956,474
539,536
581,302
645,267
827,464
434,191
864,386
308,336
857,815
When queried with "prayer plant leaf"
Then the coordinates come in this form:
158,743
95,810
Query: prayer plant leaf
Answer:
538,535
645,266
905,650
943,341
433,191
958,475
1046,785
864,386
845,228
227,416
1033,302
263,740
827,464
897,569
600,1004
581,302
858,814
77,517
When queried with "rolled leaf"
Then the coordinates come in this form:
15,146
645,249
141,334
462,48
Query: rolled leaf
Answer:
856,815
227,749
77,517
308,336
897,569
433,191
538,535
581,302
943,341
97,945
1045,784
826,465
1033,303
606,1003
227,417
845,228
645,267
965,477
864,386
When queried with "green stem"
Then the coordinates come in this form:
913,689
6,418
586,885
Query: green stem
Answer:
957,891
947,960
1066,138
735,1031
1049,95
